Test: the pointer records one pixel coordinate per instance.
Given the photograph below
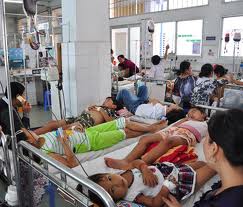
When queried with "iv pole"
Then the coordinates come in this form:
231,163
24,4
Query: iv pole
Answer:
10,106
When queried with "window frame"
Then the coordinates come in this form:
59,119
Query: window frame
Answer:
176,33
166,10
203,35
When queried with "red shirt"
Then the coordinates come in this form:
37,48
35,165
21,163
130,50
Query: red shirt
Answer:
130,65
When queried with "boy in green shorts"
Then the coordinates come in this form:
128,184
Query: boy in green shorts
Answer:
91,139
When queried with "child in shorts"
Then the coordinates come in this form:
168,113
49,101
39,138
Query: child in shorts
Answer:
91,139
188,131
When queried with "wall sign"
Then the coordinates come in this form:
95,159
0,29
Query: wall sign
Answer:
211,38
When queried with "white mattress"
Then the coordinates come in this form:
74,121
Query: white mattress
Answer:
95,154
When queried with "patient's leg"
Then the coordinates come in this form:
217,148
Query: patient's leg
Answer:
50,126
33,138
165,144
146,128
136,153
204,174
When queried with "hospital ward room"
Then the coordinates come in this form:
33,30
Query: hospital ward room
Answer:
121,103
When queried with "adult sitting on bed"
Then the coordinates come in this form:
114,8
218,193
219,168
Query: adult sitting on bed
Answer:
127,67
140,105
188,131
91,139
223,153
17,90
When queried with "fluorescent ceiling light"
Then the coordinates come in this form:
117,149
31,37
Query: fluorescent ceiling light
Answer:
14,1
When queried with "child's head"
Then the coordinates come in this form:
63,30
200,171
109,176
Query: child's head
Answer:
175,115
197,114
109,103
155,60
114,184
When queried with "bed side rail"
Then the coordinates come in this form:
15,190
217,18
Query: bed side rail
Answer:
202,106
6,165
65,172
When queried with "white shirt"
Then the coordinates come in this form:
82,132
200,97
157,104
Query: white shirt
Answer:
138,186
151,111
157,72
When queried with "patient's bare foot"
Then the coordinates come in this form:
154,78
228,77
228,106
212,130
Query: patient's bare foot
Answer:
116,164
158,126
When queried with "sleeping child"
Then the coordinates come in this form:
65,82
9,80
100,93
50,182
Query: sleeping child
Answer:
188,131
148,185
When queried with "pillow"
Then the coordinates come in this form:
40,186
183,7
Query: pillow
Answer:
128,204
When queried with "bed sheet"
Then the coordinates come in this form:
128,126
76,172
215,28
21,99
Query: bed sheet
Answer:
91,168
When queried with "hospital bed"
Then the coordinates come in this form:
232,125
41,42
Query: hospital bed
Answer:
67,179
233,96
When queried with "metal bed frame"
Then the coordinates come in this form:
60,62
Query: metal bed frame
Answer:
78,199
5,165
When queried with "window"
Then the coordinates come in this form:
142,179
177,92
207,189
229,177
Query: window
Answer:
119,8
126,41
155,5
120,41
178,4
232,0
189,37
164,34
231,26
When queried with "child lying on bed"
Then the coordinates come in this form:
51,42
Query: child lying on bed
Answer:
148,185
91,139
92,116
189,131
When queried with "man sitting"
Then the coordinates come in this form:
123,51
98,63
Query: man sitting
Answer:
127,67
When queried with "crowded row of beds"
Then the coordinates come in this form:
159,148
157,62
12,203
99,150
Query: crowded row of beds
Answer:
91,161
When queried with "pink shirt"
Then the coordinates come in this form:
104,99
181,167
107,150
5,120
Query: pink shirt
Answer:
198,128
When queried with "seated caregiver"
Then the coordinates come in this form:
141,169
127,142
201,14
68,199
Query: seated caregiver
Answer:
203,93
148,185
157,71
91,139
127,67
223,152
184,85
189,131
17,90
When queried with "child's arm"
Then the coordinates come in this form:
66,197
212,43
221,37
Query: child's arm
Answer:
156,201
149,178
106,117
166,51
69,159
